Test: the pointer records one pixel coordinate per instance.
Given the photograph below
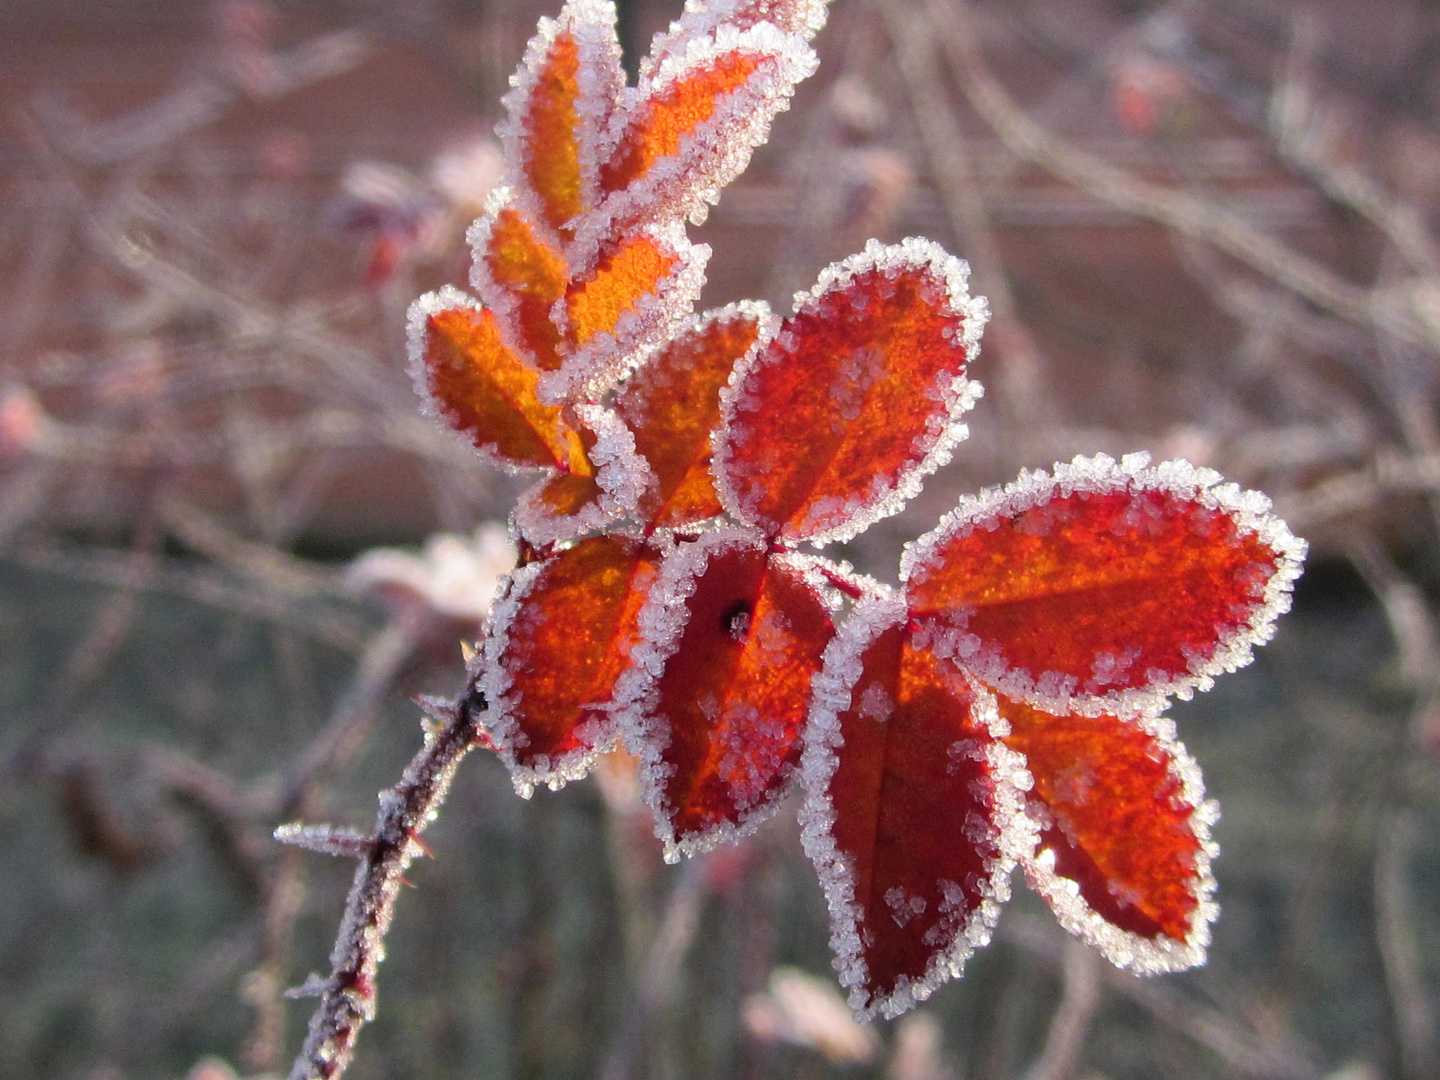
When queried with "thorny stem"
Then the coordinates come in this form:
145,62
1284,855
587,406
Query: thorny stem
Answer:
348,995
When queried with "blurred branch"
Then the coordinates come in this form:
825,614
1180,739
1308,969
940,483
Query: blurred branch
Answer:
1303,133
1391,311
1080,997
1247,1053
951,169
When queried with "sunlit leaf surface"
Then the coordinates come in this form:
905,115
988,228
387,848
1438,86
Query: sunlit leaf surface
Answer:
531,276
672,404
556,647
837,420
719,731
1105,579
483,389
1122,818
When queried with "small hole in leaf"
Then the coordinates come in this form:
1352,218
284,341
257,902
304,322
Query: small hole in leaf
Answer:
736,620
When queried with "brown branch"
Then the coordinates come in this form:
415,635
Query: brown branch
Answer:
348,995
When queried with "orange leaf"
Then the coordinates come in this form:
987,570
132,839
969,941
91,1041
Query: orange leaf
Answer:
673,402
912,815
520,274
1124,850
735,634
563,507
699,113
566,90
1109,586
632,270
637,294
674,113
836,422
557,644
481,388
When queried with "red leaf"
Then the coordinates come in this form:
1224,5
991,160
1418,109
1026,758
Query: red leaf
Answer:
912,814
837,421
673,402
479,387
521,275
718,694
567,89
1107,587
694,119
1124,850
557,644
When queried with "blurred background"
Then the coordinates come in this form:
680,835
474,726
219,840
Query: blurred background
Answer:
1207,228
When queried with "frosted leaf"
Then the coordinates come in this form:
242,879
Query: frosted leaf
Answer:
673,402
1106,588
558,643
471,382
1123,850
716,702
640,292
690,125
519,272
929,835
562,99
836,423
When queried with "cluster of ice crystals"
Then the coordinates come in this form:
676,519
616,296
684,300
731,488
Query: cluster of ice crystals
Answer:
702,18
621,474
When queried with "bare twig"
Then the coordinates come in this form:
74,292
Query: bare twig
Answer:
953,172
348,997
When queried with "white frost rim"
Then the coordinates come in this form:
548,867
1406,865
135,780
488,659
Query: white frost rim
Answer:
621,473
